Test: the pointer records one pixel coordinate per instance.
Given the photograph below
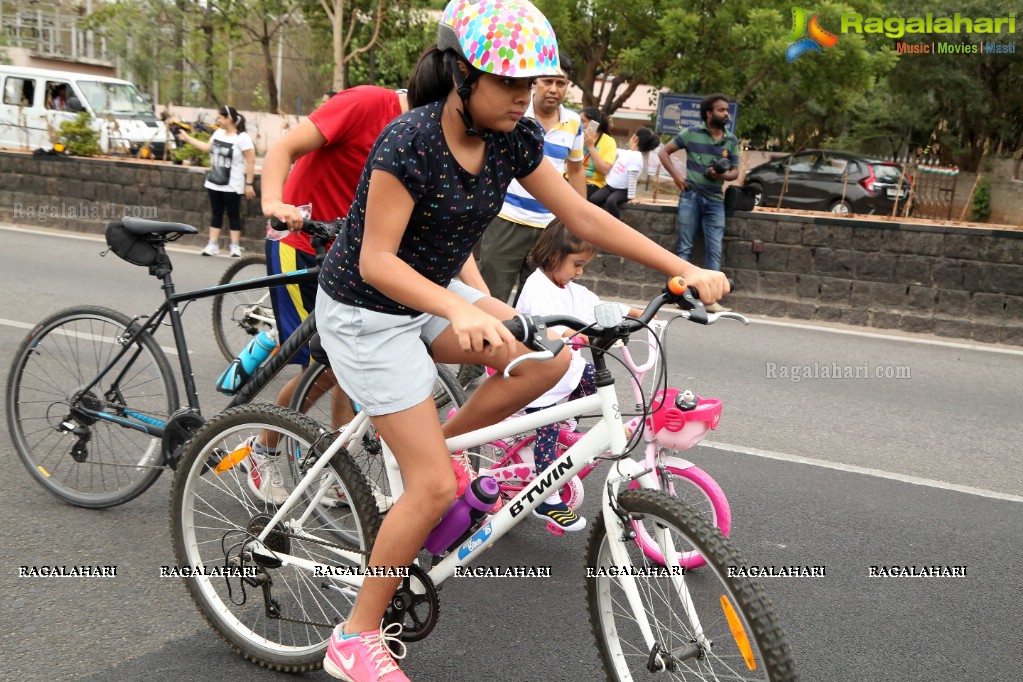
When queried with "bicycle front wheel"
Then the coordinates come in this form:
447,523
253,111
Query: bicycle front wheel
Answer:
88,461
239,316
319,397
280,615
738,637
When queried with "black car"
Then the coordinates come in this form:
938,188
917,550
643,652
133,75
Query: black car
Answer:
820,180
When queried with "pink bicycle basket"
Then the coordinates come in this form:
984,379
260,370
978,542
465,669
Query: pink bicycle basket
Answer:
680,430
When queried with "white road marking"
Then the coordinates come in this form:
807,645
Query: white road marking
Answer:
866,471
79,335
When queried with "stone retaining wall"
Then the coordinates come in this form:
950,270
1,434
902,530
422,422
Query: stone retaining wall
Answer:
950,281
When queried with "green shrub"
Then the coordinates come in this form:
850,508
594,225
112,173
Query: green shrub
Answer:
79,137
186,152
982,200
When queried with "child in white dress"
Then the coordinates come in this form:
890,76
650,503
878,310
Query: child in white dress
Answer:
560,257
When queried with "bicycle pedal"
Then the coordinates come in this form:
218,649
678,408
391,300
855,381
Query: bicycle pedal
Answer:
554,529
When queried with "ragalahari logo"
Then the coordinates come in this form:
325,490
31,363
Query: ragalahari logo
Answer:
818,36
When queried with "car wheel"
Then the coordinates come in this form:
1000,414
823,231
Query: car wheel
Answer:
841,207
758,194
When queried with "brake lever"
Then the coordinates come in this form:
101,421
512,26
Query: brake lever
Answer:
535,355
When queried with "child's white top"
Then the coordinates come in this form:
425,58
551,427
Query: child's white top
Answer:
541,296
625,171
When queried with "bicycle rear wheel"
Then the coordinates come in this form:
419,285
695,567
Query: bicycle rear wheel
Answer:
239,316
741,640
317,396
282,616
86,461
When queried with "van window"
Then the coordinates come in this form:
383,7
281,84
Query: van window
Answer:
57,93
19,91
115,99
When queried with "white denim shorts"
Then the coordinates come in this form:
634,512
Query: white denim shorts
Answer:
381,360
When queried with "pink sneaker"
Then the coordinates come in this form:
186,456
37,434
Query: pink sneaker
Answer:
464,473
364,657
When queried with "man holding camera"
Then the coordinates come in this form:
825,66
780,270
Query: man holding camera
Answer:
712,157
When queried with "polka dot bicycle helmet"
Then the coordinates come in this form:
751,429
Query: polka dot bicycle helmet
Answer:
507,38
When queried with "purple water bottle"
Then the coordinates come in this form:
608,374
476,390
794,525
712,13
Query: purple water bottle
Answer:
463,515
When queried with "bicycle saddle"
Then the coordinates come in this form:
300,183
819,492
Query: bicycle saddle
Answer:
143,226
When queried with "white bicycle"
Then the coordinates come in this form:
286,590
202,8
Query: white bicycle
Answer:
274,581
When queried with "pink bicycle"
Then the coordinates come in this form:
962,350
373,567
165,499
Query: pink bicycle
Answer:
678,420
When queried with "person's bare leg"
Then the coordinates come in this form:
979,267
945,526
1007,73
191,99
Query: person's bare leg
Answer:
497,397
415,438
215,235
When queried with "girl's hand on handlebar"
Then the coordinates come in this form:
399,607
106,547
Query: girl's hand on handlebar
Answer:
711,284
286,213
477,331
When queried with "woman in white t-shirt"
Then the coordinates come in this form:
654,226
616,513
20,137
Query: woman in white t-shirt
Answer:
625,172
233,169
560,257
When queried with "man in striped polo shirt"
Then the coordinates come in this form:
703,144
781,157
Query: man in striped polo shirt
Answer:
511,235
701,202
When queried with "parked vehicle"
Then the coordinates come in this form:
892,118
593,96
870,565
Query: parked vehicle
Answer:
821,180
36,101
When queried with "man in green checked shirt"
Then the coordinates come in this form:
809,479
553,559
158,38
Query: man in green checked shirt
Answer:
701,202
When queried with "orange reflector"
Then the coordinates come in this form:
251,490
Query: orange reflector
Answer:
738,633
232,459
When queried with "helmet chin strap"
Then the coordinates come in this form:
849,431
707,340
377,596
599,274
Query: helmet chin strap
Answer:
463,85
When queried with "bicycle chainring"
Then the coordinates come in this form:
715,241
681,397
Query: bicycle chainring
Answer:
181,426
415,605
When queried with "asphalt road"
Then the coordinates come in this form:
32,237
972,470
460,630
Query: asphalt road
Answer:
842,473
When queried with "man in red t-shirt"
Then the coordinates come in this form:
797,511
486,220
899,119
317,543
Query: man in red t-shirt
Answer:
329,151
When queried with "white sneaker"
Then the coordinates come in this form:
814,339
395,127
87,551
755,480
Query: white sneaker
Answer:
264,475
211,249
235,251
334,496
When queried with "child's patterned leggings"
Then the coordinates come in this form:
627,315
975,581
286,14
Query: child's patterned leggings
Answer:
545,449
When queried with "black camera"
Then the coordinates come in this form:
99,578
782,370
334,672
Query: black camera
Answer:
720,166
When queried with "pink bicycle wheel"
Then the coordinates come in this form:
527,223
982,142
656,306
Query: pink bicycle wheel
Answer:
701,492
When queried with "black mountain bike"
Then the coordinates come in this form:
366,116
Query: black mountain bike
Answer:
93,405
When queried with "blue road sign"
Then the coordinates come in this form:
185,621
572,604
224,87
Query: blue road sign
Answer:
677,112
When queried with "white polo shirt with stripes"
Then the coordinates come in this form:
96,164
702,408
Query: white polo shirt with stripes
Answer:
562,143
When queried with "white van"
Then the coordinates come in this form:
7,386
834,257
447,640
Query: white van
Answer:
36,101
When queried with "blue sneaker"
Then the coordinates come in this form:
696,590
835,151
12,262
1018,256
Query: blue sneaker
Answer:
559,517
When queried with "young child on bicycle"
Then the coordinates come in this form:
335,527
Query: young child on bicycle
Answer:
560,257
390,306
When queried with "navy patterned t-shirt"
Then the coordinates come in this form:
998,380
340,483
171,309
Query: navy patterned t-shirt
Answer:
452,206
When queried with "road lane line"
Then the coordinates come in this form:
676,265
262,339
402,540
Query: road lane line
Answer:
888,337
852,468
80,335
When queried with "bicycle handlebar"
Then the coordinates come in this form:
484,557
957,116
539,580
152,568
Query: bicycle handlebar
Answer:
532,330
322,232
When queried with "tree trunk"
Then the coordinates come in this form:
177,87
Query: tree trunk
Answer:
209,62
268,67
340,80
178,91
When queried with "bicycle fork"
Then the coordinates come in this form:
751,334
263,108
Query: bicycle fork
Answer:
620,532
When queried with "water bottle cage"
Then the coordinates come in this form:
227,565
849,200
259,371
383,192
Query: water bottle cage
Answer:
233,378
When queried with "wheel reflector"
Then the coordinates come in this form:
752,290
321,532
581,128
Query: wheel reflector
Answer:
232,460
43,471
738,633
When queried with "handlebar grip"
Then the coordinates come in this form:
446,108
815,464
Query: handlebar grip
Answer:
517,327
677,286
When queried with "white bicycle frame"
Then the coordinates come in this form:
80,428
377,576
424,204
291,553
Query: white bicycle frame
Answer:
607,435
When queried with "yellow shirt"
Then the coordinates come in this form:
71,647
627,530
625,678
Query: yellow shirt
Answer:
607,149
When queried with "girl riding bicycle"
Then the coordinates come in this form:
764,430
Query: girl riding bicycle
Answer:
389,308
